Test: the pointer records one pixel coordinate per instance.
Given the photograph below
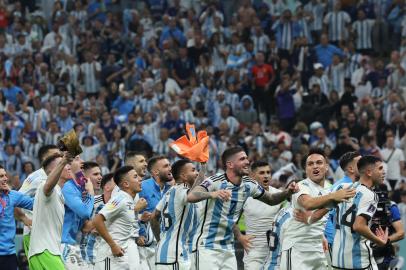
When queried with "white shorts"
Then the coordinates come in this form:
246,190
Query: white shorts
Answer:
147,257
180,265
295,259
215,259
73,259
133,255
255,258
113,263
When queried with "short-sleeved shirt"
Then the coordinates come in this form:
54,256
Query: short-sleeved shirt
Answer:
119,214
306,236
219,217
46,232
178,219
259,217
262,74
350,249
11,200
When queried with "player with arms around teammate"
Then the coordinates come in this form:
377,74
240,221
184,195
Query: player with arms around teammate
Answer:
259,218
302,242
351,246
178,220
115,222
216,241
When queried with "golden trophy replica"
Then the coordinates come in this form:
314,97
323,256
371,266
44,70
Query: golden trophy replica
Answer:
70,142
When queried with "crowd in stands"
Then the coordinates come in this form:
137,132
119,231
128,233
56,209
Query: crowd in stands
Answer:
273,76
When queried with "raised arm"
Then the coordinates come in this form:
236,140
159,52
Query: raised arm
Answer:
55,174
200,177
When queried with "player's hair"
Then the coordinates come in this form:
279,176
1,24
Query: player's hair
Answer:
259,163
314,151
347,158
131,154
120,174
366,161
228,153
90,165
43,151
45,164
178,166
105,179
152,161
1,167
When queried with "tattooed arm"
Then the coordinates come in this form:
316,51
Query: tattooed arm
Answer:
277,198
200,177
155,219
199,193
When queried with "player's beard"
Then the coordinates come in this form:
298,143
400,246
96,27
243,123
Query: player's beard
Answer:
241,172
165,177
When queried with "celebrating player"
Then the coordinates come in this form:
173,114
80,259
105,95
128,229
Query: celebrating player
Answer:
179,219
216,240
259,217
48,215
303,241
115,222
351,246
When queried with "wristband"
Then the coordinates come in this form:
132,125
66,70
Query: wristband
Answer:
309,220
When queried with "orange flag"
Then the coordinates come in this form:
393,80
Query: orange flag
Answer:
193,147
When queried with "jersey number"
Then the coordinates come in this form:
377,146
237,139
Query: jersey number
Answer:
167,220
348,218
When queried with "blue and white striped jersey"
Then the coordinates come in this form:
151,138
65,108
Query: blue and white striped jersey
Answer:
363,30
274,238
89,240
337,22
218,217
317,10
350,249
179,222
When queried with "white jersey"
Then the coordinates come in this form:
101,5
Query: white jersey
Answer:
275,236
48,214
119,214
350,249
219,217
259,217
178,219
306,236
29,188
